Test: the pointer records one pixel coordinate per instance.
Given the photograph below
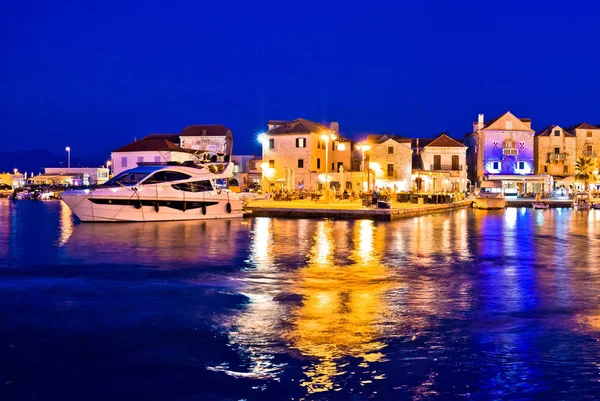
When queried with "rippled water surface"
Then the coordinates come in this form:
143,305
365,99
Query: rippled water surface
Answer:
464,305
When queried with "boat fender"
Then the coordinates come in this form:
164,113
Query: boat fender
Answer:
204,210
228,207
183,207
138,205
156,207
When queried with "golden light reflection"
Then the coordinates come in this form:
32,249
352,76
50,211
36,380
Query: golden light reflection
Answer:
341,306
65,224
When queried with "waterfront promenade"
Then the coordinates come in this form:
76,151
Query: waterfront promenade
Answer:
345,209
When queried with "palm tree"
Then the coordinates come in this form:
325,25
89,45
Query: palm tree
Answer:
586,170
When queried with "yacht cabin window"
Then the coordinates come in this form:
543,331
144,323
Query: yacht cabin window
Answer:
166,176
195,186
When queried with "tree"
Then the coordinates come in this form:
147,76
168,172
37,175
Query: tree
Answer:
586,170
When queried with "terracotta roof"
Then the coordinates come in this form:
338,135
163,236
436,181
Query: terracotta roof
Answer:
277,122
149,145
298,126
548,131
207,130
580,126
380,138
445,141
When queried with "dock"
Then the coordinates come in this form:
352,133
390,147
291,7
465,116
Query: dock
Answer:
345,209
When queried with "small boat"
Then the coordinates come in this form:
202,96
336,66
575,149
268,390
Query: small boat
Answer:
540,205
490,196
596,205
581,201
159,192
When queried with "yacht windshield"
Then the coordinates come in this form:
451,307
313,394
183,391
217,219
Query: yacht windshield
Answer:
126,178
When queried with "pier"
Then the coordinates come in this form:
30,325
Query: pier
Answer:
345,210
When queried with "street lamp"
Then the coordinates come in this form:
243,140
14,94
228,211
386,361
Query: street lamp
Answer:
108,164
363,148
68,149
327,137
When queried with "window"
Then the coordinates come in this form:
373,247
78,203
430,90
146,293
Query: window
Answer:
496,165
271,163
545,169
340,164
556,150
300,142
166,176
495,145
300,163
509,125
390,150
332,166
140,159
124,161
195,186
318,163
566,169
589,134
341,146
521,166
556,132
318,144
156,159
588,148
390,169
332,145
271,143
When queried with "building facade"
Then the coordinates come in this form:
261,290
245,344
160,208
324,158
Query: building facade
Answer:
390,161
75,176
503,149
443,166
294,155
555,153
213,138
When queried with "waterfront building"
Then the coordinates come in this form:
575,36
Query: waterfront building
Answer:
390,161
503,149
152,148
74,176
440,165
246,170
555,154
294,154
173,147
588,140
15,180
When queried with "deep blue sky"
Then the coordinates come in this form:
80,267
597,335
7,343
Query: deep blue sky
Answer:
94,76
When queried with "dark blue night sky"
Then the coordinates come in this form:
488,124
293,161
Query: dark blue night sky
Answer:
94,75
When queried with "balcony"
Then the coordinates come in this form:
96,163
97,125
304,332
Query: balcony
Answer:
589,153
557,156
445,167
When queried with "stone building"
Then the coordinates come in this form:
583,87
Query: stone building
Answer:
503,150
588,139
555,153
390,161
294,154
442,165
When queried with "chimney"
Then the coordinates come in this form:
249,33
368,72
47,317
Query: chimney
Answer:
335,127
480,121
417,146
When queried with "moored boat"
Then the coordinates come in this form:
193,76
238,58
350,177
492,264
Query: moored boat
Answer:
581,201
540,205
490,196
159,192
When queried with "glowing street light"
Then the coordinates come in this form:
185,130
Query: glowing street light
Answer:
108,164
363,147
68,149
327,137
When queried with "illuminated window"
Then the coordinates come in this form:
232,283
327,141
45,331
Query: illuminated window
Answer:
300,142
341,146
271,163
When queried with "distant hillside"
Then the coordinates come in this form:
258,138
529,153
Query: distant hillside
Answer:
35,160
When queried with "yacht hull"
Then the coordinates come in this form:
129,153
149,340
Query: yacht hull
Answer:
98,208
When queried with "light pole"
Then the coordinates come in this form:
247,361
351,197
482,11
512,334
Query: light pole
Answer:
68,149
108,164
363,148
327,137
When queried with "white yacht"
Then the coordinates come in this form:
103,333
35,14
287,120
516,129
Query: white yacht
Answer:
159,192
